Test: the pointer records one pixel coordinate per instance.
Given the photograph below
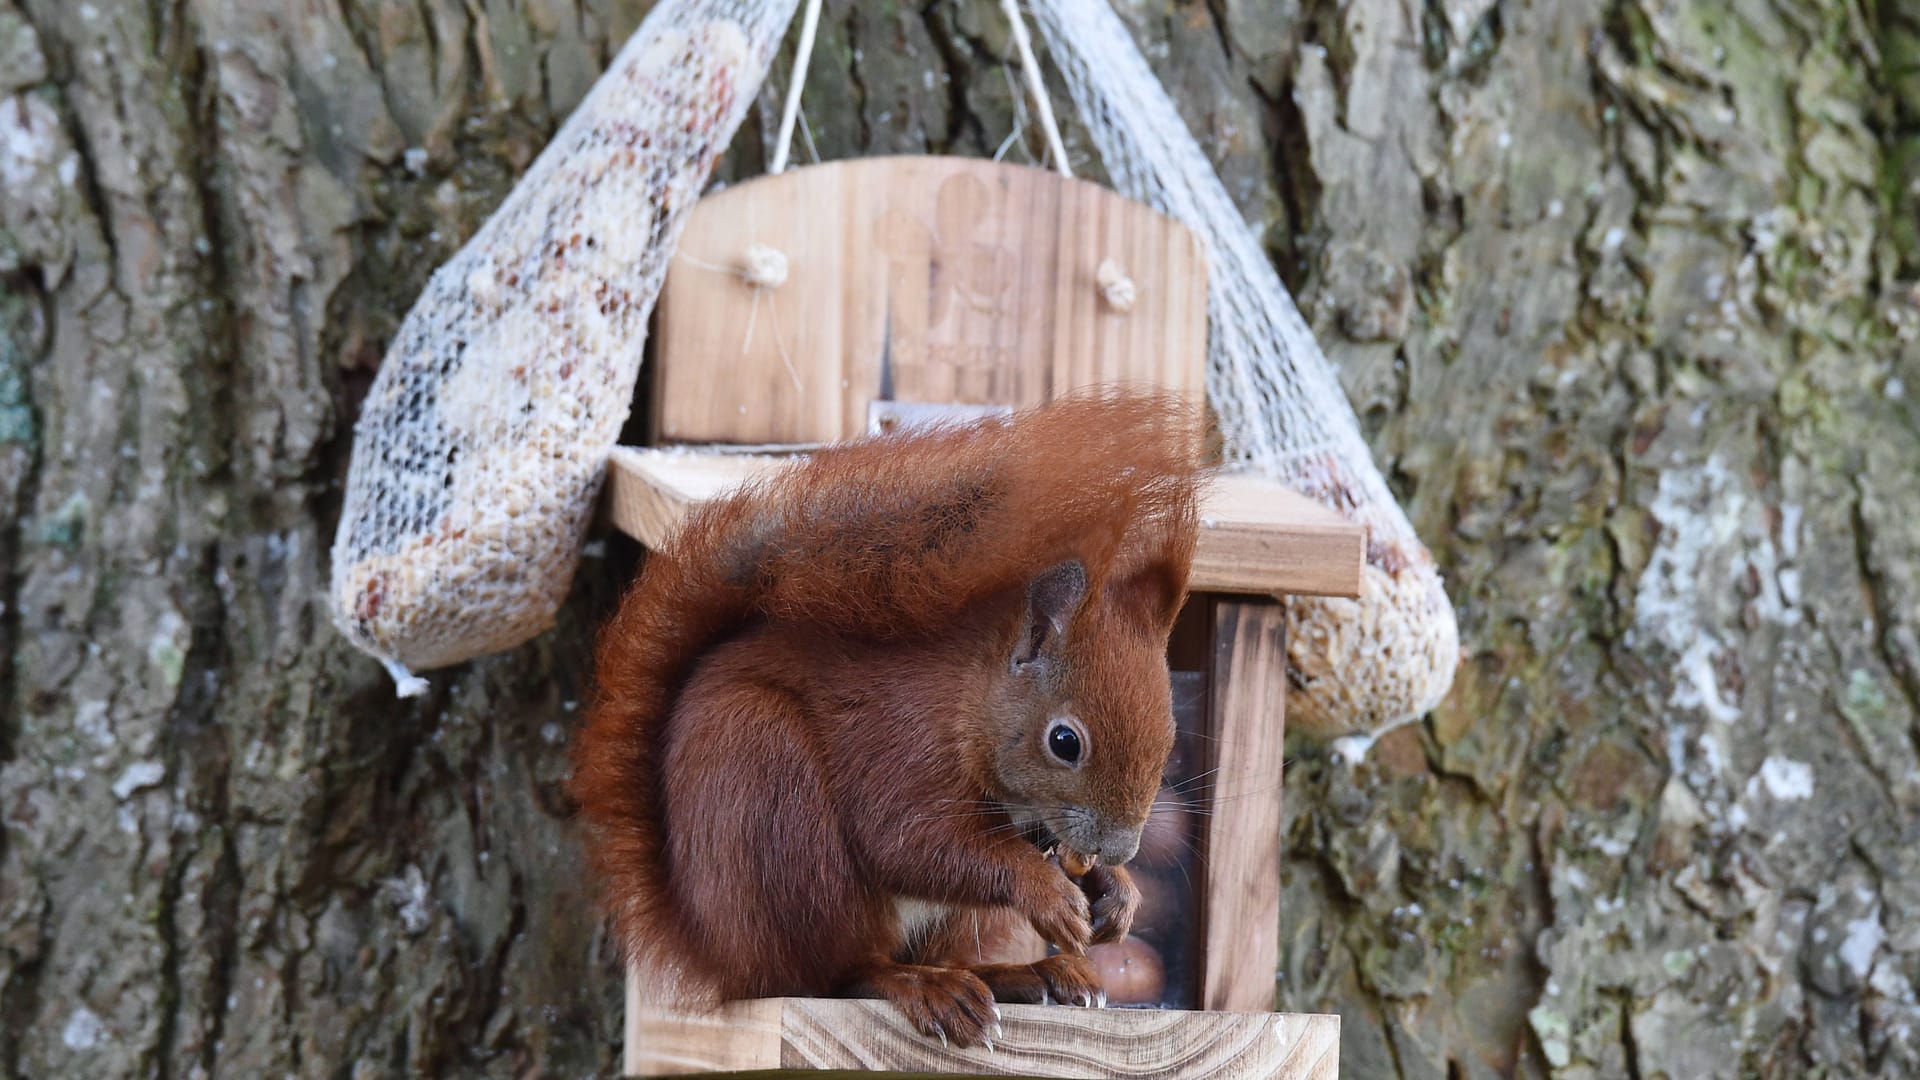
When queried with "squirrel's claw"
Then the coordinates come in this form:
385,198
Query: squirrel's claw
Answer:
950,1005
1069,980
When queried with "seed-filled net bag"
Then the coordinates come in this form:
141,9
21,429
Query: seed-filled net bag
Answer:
483,441
1362,667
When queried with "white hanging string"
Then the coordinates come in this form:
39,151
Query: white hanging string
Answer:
1036,87
1019,131
806,136
763,270
810,22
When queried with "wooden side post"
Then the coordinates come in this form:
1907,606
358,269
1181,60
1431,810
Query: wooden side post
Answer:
1247,722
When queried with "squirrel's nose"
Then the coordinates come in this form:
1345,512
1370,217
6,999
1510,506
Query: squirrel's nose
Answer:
1118,844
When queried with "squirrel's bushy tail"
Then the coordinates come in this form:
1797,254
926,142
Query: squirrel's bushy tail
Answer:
885,539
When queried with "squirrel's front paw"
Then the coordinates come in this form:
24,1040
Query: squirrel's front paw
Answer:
1058,910
1115,899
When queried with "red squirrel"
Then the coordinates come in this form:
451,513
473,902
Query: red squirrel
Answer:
842,715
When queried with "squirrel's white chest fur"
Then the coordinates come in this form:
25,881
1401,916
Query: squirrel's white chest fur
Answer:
917,918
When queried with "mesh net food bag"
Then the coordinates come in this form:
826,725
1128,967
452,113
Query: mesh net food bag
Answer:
1362,667
483,441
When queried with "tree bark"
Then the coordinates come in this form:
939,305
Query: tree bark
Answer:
1622,290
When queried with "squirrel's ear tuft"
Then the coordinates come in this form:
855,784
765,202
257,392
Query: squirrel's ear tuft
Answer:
1151,596
1052,599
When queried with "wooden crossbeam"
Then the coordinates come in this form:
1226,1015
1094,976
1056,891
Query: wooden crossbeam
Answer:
1257,537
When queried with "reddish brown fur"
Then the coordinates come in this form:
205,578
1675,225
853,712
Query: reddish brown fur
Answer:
823,695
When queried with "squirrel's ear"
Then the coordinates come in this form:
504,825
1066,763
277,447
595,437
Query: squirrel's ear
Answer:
1052,598
1151,595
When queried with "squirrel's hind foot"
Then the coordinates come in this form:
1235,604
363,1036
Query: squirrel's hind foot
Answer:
948,1004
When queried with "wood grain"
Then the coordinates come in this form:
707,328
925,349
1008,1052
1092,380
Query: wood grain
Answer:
1241,902
930,279
1039,1040
649,492
1256,536
665,1042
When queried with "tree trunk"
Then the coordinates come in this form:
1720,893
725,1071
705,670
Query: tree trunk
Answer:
1620,288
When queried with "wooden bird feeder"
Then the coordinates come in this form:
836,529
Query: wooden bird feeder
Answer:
830,301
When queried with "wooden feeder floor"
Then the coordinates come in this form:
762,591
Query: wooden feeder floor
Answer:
802,1036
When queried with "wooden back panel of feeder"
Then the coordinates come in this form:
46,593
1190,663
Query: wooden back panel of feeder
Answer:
915,279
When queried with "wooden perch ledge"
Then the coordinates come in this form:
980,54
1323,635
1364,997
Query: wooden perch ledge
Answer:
1256,536
1038,1041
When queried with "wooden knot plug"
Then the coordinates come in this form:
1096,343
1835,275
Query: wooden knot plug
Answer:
765,267
1115,286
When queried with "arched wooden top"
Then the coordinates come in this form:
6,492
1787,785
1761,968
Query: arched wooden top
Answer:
915,279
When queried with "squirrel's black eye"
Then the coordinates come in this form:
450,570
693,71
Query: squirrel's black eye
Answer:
1063,742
